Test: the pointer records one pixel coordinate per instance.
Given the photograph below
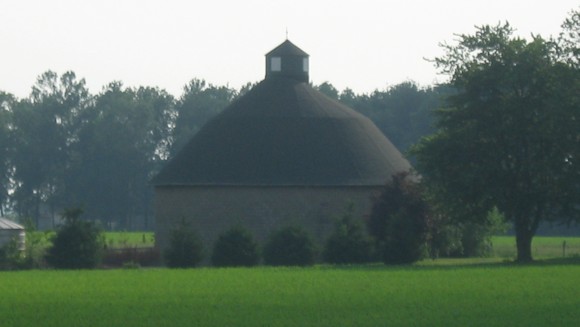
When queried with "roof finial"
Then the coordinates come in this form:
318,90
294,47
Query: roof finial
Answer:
286,33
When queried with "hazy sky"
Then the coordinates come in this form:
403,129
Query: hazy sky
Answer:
362,44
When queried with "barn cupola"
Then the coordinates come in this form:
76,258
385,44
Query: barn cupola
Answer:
287,60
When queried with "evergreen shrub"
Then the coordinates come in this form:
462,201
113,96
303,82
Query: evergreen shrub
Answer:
348,243
185,249
236,247
290,246
77,244
399,221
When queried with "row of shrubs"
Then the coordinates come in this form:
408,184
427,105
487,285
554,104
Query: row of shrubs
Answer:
289,246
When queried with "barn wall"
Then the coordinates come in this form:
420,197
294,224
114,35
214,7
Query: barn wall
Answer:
212,210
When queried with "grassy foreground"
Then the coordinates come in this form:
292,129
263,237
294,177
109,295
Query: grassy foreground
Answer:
488,295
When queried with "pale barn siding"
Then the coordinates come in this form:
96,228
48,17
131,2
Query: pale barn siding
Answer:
212,210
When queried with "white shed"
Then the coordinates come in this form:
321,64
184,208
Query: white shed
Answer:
10,230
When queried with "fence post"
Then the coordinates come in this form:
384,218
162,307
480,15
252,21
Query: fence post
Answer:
564,249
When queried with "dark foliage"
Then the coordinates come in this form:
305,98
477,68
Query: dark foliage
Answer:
399,221
236,247
142,257
10,256
348,243
77,244
290,246
185,249
444,238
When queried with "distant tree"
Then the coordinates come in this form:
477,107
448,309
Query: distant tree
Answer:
122,142
399,220
244,89
44,127
348,243
404,112
6,106
78,244
290,246
569,39
235,247
328,89
185,249
509,137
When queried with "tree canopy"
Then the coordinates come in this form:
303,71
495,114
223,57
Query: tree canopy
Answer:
510,135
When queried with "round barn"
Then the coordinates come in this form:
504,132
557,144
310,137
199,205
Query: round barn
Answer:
283,154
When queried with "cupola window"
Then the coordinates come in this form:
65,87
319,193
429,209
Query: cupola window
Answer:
276,64
305,65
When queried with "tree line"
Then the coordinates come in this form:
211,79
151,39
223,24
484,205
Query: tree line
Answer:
63,147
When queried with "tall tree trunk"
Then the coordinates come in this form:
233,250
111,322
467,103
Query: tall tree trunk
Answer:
524,243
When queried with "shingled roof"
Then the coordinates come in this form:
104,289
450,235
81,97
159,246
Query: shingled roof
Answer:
284,132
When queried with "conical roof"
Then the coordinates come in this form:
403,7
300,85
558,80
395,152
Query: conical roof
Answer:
284,132
287,48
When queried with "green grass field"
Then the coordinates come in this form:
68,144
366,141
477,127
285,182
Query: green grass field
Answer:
542,247
452,295
442,292
129,239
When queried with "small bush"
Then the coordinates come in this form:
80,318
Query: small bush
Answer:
463,237
36,246
348,243
77,244
10,256
444,238
185,250
235,248
290,246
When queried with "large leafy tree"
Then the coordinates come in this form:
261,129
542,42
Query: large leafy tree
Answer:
510,137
